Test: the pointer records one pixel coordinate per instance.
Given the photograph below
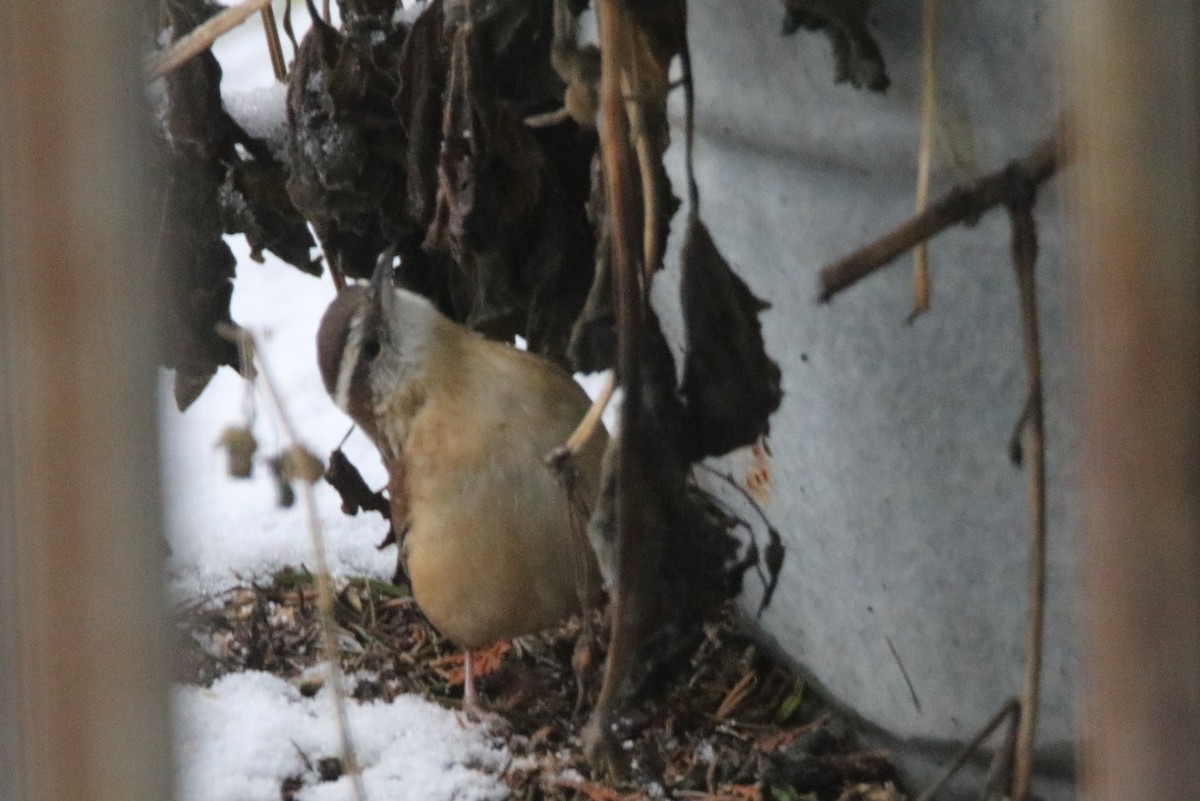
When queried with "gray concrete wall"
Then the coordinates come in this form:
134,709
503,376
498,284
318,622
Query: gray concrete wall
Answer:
906,525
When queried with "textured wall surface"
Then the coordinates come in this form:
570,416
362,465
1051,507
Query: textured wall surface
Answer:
906,525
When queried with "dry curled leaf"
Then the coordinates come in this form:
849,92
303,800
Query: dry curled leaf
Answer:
452,667
347,481
856,55
730,385
240,446
302,464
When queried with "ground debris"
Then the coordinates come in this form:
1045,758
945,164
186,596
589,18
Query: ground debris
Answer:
734,726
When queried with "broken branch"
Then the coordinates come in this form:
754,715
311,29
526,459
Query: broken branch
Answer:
963,204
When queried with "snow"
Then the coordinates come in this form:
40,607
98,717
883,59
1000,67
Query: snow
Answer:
240,739
261,111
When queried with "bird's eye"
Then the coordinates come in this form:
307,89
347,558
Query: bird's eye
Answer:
370,349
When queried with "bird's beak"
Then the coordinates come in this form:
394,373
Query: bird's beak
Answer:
383,286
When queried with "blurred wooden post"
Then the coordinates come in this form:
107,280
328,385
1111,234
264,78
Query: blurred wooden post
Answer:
83,689
1135,81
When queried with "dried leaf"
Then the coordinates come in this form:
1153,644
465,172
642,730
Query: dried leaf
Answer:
347,481
730,386
452,667
856,55
240,446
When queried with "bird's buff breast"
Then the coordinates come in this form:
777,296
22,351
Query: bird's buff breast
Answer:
490,551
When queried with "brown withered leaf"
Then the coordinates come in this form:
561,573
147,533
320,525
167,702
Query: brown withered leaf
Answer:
254,201
505,203
215,179
424,62
197,137
856,55
490,167
452,667
345,147
240,446
347,481
730,385
687,562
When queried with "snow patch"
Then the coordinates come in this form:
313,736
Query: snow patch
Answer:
262,112
240,739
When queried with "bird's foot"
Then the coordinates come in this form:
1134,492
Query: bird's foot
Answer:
471,707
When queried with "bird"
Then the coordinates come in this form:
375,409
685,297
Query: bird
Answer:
464,425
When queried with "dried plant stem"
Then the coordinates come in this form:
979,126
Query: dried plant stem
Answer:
1015,187
963,204
999,775
339,280
202,37
324,584
925,155
620,192
652,248
548,118
587,426
960,759
1024,247
274,47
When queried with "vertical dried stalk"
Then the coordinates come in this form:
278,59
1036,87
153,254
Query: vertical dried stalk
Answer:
623,231
324,583
1024,252
921,290
274,47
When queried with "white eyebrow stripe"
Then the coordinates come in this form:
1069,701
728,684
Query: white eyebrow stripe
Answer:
350,353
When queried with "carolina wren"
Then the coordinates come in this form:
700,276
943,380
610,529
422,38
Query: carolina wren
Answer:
463,425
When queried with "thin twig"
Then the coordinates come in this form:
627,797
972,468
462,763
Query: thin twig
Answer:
547,118
324,585
925,155
587,426
912,690
1024,252
202,37
274,47
287,27
960,759
999,775
1016,454
339,280
962,204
